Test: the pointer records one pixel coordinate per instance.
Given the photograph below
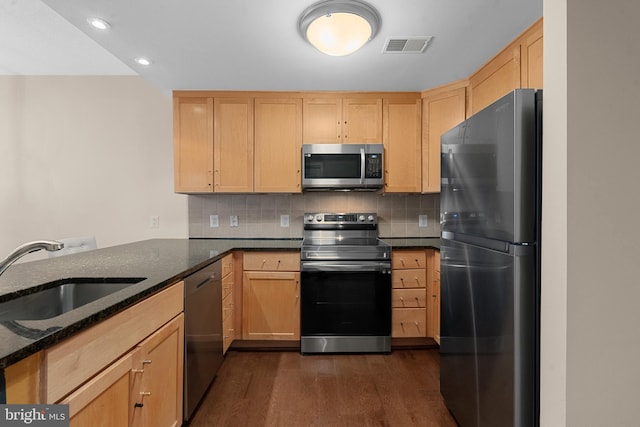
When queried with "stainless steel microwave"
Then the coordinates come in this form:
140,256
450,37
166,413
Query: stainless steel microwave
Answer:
342,167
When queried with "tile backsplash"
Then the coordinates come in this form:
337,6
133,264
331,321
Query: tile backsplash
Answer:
259,215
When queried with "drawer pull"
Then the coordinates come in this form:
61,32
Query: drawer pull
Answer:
145,393
137,371
138,405
146,362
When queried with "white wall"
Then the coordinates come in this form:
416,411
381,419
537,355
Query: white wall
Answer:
591,239
86,156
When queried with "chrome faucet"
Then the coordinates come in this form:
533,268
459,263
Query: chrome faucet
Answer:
49,245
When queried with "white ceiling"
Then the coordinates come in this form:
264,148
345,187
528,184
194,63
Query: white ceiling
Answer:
252,44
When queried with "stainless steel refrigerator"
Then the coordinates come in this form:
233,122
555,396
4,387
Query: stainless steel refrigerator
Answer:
490,263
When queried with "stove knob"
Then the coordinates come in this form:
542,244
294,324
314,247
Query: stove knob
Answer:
370,218
361,218
310,218
319,218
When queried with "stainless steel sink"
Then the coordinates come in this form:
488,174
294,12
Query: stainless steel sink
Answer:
62,296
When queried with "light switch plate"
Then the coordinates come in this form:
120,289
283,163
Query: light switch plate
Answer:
233,221
213,221
422,221
284,220
154,221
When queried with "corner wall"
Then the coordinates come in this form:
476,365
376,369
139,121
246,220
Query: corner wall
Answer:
86,156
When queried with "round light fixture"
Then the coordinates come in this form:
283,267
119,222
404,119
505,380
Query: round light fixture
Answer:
339,28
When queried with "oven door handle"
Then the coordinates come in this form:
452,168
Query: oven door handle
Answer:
346,266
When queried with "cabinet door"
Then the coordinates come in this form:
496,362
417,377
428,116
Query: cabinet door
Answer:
271,305
496,79
322,121
278,144
436,298
158,388
403,145
193,144
362,120
105,400
433,295
233,145
443,109
532,54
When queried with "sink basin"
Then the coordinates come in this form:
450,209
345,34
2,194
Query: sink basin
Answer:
62,296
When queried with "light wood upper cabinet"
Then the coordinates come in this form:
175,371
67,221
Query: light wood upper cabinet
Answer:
193,144
278,145
233,145
322,121
443,108
362,120
532,52
342,120
519,65
402,144
499,77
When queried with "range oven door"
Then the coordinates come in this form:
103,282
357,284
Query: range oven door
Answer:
345,306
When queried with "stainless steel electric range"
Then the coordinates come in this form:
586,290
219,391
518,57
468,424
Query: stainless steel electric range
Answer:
345,285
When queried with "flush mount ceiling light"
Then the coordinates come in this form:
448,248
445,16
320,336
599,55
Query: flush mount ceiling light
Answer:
339,28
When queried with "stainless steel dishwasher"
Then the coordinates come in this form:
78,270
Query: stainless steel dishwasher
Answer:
203,333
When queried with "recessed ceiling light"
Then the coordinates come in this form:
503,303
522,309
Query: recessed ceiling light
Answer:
143,61
98,23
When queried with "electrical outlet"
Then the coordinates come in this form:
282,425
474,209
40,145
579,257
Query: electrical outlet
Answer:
154,221
213,221
233,221
422,221
284,220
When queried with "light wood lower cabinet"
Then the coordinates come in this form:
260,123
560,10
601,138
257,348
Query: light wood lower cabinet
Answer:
228,303
135,356
143,388
157,377
106,399
433,295
271,296
409,282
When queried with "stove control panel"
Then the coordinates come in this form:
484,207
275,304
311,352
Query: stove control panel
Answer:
341,218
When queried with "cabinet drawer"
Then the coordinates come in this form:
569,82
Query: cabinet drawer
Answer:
73,361
408,259
271,261
408,298
414,278
409,322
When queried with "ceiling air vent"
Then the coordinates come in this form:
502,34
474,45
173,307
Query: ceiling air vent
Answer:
406,44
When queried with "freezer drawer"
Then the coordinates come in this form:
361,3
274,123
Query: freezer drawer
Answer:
489,329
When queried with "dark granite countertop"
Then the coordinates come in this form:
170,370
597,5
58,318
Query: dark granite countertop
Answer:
413,242
161,261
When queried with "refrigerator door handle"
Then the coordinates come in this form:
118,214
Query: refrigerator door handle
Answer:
516,249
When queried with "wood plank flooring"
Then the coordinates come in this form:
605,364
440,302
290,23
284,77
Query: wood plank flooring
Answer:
290,389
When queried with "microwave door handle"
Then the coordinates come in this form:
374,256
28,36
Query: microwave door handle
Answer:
362,165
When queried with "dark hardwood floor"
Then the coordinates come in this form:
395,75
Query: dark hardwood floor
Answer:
286,388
